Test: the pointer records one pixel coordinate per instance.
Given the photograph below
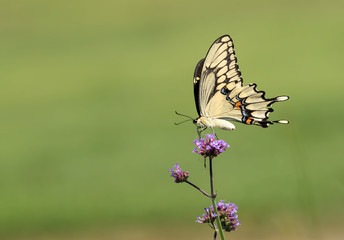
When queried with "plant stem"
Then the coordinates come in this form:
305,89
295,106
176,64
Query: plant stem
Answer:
206,194
213,196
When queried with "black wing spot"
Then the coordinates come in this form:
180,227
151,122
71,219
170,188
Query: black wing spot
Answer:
225,91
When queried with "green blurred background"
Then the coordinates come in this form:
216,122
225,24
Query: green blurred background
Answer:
87,99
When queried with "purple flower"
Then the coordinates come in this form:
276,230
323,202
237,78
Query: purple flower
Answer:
208,147
208,217
178,174
227,214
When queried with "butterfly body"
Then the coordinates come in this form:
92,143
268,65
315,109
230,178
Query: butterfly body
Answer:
220,95
214,123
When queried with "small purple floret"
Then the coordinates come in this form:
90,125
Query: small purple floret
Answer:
227,214
179,175
208,147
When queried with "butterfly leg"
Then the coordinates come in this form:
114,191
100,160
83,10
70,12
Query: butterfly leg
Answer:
200,130
203,129
217,138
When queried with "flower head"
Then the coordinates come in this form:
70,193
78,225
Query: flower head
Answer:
227,214
208,147
179,175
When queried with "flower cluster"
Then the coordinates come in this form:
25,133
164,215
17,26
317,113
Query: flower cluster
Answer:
208,147
227,214
179,175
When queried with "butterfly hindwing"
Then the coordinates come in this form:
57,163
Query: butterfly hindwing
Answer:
249,105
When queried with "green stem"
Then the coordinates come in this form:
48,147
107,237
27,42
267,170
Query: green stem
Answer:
218,222
206,194
213,196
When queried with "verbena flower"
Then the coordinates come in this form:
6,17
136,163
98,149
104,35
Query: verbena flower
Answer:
227,214
208,217
208,147
179,175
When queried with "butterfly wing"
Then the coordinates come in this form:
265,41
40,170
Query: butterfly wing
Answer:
196,81
219,90
218,69
247,105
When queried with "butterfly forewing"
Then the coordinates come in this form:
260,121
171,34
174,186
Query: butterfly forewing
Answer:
219,68
196,80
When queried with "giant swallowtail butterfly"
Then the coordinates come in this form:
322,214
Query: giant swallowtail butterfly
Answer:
220,95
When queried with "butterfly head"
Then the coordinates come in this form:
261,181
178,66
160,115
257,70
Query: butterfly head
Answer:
200,123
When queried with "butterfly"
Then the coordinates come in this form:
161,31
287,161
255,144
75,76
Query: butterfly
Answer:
220,95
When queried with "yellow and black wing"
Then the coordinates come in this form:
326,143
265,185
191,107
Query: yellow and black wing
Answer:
219,91
215,71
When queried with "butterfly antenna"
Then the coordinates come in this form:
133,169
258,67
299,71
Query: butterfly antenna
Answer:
184,115
182,122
